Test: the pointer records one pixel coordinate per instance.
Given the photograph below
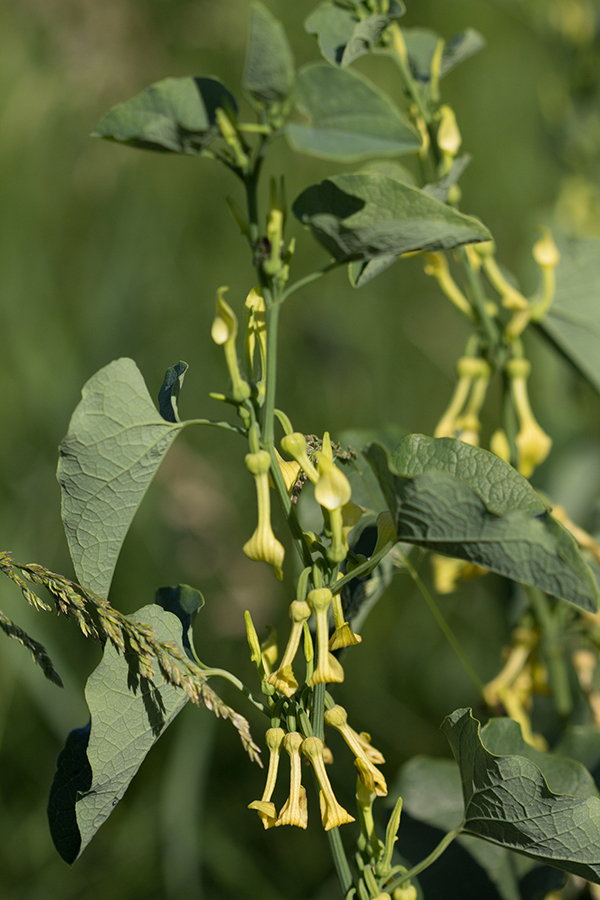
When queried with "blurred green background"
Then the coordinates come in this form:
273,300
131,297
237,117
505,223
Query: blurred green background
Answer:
108,252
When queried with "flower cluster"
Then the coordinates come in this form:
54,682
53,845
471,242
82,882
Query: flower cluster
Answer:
295,810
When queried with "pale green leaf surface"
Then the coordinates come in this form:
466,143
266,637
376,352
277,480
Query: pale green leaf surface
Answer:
343,36
367,215
346,117
128,714
438,511
175,115
499,485
508,802
114,446
573,322
269,70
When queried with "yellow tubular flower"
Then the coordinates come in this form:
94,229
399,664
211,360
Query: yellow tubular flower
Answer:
436,265
328,668
265,809
332,814
343,636
448,135
283,679
469,369
546,255
499,444
337,718
224,332
295,809
295,445
263,545
533,443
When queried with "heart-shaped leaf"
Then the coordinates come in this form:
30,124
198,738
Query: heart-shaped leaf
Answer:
114,446
176,115
508,801
347,118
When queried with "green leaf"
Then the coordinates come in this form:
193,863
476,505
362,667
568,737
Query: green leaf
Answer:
347,117
362,272
114,446
438,511
269,71
508,802
343,36
581,742
503,737
573,322
459,48
128,715
176,115
365,215
431,792
501,487
169,392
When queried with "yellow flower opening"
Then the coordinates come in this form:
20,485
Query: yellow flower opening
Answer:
343,636
332,813
337,718
333,489
266,810
224,333
283,679
295,809
328,669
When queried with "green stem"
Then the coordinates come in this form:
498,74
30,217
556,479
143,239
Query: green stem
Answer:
308,279
318,710
268,409
363,569
479,300
340,860
448,633
226,426
223,673
553,649
425,863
